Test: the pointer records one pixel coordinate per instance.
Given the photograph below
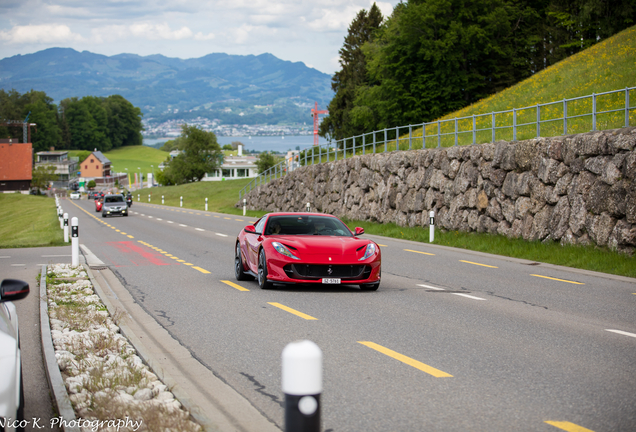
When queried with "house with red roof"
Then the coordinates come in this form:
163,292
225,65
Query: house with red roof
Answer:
16,165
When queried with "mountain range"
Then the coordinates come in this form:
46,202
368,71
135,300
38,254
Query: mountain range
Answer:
242,89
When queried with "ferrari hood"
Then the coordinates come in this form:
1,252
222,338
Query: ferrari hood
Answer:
324,249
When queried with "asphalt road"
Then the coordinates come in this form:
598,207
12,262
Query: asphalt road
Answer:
452,341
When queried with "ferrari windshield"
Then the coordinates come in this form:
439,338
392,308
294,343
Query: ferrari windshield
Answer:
306,225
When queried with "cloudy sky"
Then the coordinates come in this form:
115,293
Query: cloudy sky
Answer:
310,31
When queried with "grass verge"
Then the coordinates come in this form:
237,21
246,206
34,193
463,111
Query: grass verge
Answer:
222,196
29,221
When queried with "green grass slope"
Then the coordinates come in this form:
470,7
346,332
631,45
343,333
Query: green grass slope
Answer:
606,66
29,221
133,158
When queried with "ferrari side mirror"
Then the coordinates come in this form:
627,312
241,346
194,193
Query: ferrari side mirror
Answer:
250,229
359,231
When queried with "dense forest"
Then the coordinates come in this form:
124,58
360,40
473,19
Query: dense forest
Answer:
432,57
102,123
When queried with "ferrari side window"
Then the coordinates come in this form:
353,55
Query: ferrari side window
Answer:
260,225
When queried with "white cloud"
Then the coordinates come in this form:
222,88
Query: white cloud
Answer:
40,34
159,31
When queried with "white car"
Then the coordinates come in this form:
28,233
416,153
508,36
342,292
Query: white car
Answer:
11,393
75,195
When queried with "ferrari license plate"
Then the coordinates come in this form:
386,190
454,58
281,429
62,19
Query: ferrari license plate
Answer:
331,281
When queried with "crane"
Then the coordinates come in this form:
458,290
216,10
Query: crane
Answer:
26,127
314,113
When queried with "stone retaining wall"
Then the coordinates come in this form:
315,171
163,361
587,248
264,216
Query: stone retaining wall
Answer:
576,189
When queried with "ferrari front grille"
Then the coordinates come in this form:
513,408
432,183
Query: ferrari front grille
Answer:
318,271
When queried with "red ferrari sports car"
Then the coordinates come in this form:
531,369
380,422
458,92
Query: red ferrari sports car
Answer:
306,248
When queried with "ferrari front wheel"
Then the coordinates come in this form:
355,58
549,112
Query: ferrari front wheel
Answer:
239,270
262,271
370,287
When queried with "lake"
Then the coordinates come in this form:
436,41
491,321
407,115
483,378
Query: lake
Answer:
260,143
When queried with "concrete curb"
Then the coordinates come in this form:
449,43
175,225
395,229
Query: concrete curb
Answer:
144,353
211,403
53,374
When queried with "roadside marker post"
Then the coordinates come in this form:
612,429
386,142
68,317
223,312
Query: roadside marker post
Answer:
308,207
60,212
244,206
180,201
302,386
74,243
206,204
148,198
431,229
138,197
161,199
65,227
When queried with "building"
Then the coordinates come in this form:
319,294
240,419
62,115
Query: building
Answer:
234,167
95,166
65,167
16,166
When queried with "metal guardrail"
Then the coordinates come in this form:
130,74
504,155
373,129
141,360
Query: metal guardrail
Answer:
598,111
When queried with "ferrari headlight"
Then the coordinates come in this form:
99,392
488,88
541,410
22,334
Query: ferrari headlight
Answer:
283,250
369,251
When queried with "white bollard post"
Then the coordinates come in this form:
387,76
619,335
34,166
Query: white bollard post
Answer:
148,198
161,199
138,197
244,206
308,207
302,385
65,227
181,202
206,204
60,213
74,243
431,229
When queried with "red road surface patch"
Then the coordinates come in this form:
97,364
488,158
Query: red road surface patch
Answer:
140,255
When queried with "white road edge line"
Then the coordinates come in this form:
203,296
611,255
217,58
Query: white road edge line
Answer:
169,221
620,332
469,296
431,287
199,229
222,235
182,225
159,219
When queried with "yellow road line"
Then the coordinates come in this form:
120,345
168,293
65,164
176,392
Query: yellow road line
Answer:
383,245
201,270
130,236
474,263
408,360
414,251
560,280
233,285
293,311
567,426
188,264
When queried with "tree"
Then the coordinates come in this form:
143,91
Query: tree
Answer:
42,175
91,184
436,56
353,75
265,161
123,122
201,154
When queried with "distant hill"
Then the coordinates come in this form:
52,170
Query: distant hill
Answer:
160,85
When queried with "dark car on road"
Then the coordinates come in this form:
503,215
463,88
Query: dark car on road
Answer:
114,205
